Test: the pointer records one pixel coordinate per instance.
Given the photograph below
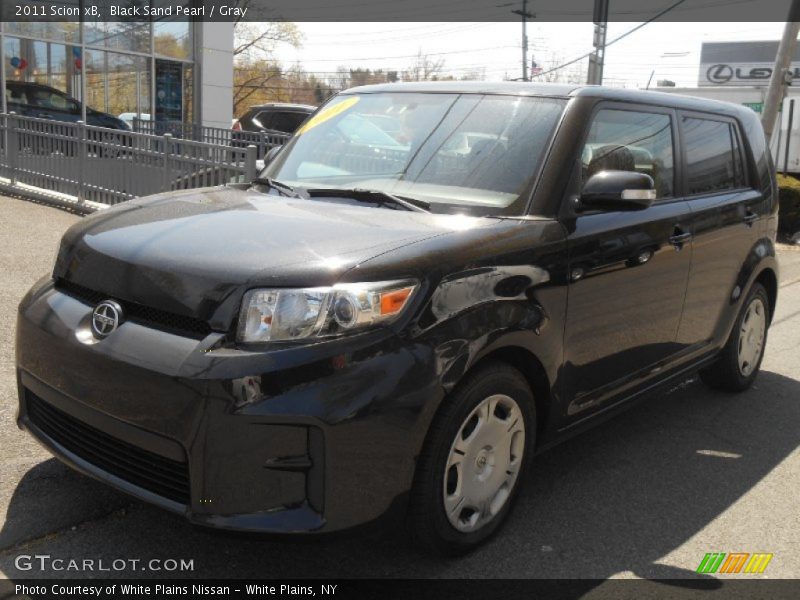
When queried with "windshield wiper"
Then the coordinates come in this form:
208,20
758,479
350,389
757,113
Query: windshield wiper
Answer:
284,189
375,196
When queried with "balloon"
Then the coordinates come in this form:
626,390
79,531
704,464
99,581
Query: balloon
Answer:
23,63
78,64
76,52
15,62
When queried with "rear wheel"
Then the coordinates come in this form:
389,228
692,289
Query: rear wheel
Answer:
738,364
474,458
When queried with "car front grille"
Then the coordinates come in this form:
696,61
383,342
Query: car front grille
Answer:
146,315
162,476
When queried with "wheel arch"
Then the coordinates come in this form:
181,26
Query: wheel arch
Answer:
769,279
532,369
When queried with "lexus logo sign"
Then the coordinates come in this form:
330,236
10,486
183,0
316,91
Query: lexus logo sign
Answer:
719,73
106,317
746,74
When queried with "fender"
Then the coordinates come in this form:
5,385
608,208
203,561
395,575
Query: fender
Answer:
477,312
760,258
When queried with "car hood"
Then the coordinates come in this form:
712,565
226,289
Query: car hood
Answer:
195,251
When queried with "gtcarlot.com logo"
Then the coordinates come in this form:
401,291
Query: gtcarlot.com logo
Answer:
735,562
46,562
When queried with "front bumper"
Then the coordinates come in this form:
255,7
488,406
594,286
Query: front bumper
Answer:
306,439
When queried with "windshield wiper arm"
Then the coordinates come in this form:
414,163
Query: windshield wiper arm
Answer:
284,189
376,196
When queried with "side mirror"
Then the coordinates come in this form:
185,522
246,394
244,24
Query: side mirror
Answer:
271,154
618,190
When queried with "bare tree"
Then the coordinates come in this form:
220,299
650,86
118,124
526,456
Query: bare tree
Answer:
574,73
424,68
257,76
258,40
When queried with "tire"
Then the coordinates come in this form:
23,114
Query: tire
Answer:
471,420
738,365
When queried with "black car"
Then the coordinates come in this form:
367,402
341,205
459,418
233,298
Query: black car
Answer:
45,102
276,117
392,321
268,125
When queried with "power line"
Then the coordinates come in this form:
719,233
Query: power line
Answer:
615,40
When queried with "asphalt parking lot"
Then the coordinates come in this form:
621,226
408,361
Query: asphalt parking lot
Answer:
644,495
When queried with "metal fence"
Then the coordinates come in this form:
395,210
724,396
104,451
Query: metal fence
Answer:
90,164
212,135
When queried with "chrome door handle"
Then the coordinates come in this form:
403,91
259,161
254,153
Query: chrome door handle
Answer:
679,239
750,218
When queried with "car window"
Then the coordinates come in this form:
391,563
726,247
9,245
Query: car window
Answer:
16,95
359,130
49,99
287,121
713,157
627,140
466,152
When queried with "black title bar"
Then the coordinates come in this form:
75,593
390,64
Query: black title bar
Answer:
391,10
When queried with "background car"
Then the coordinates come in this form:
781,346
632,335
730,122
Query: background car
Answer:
128,117
274,118
44,102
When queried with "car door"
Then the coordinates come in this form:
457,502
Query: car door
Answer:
725,210
628,270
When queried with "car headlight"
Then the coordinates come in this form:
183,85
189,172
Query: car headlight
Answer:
270,315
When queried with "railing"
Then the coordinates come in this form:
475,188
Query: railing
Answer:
212,135
91,164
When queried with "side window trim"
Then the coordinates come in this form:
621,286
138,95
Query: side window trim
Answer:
678,188
740,153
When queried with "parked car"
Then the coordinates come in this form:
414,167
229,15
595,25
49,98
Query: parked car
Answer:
129,117
274,118
277,120
375,329
45,102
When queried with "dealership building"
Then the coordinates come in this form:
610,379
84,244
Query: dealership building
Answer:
168,70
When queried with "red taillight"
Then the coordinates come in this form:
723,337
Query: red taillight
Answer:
236,126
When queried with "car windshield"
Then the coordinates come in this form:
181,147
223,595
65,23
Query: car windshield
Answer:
456,152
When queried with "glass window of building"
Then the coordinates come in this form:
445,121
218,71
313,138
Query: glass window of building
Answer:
143,68
131,36
173,39
57,31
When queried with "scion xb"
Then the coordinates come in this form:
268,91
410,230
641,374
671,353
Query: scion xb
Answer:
428,284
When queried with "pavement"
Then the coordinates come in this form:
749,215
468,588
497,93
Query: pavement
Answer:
644,495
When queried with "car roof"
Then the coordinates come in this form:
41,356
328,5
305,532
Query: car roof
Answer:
559,90
285,106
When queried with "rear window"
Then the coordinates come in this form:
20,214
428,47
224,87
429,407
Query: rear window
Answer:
285,121
713,156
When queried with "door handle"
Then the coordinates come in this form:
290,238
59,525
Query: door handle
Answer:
679,237
750,218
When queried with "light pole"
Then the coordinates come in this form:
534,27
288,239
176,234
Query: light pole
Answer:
524,15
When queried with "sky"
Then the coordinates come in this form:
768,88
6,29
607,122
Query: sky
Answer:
668,50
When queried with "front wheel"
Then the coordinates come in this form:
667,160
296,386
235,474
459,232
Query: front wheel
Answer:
740,359
474,458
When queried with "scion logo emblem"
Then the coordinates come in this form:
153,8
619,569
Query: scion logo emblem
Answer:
719,73
106,317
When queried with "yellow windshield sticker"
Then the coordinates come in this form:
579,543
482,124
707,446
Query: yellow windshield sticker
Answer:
328,113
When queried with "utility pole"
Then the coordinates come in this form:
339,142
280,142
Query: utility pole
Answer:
781,74
525,15
597,58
